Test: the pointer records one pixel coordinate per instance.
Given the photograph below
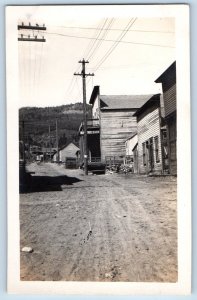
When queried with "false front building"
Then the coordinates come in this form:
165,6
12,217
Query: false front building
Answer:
111,124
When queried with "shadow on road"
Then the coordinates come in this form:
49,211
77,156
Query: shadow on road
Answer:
32,184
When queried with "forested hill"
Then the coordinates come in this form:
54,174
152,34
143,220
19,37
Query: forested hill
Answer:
38,119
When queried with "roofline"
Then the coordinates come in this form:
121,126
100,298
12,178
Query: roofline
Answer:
135,146
121,108
118,108
158,80
67,146
148,102
132,136
95,92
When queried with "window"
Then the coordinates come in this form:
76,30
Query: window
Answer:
164,134
157,149
144,153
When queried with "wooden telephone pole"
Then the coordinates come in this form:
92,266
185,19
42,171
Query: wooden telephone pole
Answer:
57,141
84,75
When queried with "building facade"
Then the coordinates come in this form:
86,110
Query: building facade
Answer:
130,144
168,82
149,148
116,122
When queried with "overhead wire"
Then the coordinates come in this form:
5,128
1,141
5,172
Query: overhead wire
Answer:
110,40
78,90
21,69
88,50
29,71
91,46
97,40
117,29
34,75
99,43
101,37
115,44
94,37
40,65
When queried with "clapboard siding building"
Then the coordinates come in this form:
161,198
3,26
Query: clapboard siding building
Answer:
168,81
149,137
116,121
131,143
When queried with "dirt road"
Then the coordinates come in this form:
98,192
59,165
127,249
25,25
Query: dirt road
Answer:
98,228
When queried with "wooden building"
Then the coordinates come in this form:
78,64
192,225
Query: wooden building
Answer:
168,81
130,144
135,158
67,153
116,122
93,140
149,149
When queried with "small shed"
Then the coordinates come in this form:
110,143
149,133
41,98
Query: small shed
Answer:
68,151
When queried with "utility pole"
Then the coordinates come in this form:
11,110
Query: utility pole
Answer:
50,140
57,143
29,38
84,75
23,137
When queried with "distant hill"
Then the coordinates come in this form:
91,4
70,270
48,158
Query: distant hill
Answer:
38,119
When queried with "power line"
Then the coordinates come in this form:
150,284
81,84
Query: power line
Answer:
109,40
117,29
86,53
29,67
105,32
112,48
79,89
35,65
90,45
40,65
97,38
100,39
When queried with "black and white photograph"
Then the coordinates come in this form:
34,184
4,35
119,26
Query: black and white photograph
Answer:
98,124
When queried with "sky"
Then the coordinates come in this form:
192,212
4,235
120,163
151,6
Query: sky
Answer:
125,53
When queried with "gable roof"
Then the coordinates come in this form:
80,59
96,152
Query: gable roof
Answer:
94,94
116,102
155,99
131,136
67,145
169,72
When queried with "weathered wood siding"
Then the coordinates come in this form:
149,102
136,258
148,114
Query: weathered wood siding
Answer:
172,144
135,160
115,128
149,127
96,108
169,97
130,144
